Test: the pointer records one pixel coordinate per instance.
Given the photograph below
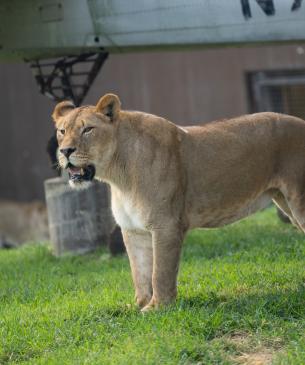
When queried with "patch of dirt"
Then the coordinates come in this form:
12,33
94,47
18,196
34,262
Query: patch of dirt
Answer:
263,357
249,353
239,339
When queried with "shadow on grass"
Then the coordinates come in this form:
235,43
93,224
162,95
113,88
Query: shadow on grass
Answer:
218,243
32,272
31,256
286,304
276,312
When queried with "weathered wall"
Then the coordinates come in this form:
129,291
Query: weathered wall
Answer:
25,127
185,87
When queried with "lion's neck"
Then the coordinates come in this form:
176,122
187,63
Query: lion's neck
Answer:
117,171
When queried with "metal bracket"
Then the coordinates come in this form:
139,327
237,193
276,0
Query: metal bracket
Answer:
68,77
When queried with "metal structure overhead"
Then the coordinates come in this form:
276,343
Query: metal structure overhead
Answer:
58,37
35,29
68,77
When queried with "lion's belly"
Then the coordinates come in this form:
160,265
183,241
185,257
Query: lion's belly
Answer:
125,212
219,216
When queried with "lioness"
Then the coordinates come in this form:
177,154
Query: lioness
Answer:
167,179
22,222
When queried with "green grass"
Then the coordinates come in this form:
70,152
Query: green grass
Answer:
241,291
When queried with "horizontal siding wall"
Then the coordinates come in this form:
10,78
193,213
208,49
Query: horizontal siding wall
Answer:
185,87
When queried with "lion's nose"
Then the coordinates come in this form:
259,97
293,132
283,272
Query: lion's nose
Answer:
67,151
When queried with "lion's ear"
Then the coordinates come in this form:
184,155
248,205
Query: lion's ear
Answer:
62,109
109,105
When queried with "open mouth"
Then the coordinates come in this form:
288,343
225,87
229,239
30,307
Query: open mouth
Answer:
79,174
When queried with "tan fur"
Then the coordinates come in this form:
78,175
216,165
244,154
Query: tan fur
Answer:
23,222
166,179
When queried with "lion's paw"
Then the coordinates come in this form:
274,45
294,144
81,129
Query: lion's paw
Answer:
143,301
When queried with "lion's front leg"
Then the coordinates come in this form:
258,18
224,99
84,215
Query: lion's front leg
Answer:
166,252
139,249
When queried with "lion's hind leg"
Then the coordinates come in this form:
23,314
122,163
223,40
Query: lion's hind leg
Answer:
280,201
293,204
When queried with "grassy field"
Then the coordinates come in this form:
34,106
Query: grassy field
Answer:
241,301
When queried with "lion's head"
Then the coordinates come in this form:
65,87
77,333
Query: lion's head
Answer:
86,137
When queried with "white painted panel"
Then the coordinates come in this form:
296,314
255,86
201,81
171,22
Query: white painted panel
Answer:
27,30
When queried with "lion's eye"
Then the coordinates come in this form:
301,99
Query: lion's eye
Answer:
61,131
87,130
